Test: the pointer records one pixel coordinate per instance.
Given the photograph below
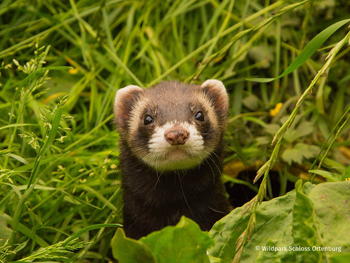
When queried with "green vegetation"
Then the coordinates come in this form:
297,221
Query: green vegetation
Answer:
286,67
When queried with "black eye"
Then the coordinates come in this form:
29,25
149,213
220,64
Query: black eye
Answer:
199,116
148,120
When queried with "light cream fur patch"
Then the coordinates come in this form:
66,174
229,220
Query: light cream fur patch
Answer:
217,84
137,113
219,87
203,100
164,157
121,93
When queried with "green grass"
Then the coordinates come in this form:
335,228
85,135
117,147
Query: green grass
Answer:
59,176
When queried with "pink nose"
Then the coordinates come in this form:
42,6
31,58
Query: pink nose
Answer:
177,137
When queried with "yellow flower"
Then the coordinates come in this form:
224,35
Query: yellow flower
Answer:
277,108
347,179
73,71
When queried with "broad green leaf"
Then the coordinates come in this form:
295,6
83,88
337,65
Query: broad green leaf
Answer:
5,232
304,230
262,53
342,258
309,151
273,222
332,210
127,250
263,140
292,155
315,217
308,51
272,128
299,152
251,102
280,254
303,129
184,242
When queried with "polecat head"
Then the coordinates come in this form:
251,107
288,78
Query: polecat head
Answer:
172,125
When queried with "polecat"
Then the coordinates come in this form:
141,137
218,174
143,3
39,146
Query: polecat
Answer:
171,142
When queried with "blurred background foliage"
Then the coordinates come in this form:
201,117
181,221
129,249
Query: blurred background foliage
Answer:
111,44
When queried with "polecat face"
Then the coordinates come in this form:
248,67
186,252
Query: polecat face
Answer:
172,125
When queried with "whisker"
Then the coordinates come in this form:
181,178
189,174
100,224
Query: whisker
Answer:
183,193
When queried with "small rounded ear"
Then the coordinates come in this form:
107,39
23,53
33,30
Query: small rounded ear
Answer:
216,92
124,100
